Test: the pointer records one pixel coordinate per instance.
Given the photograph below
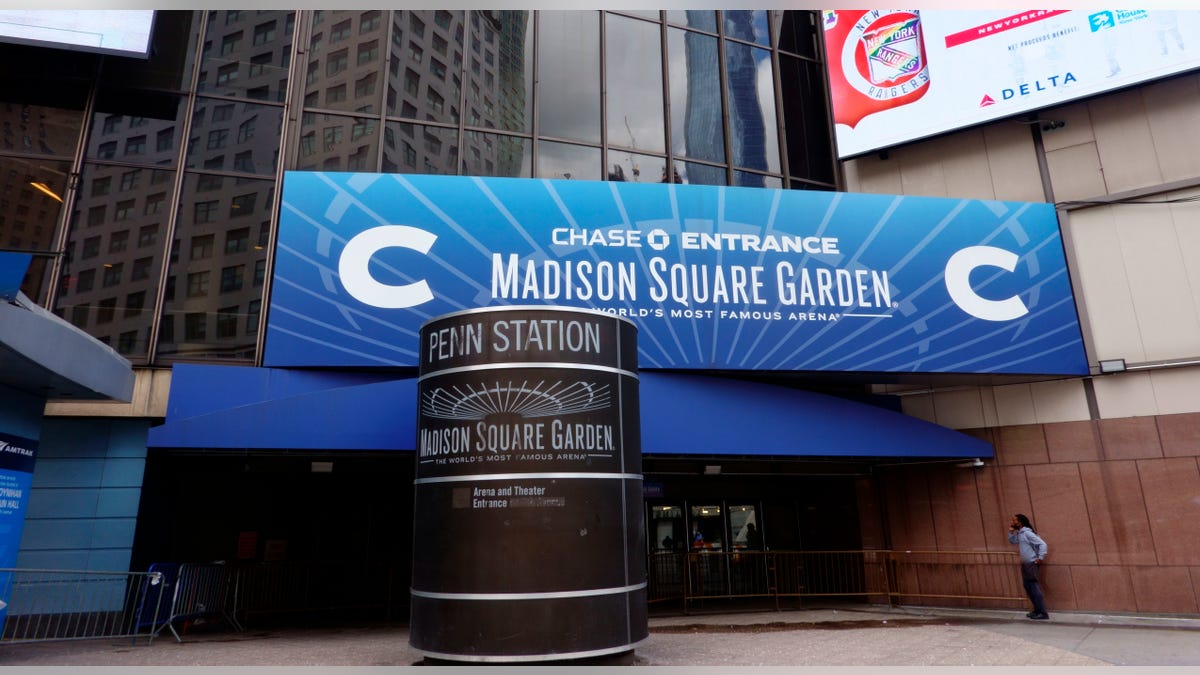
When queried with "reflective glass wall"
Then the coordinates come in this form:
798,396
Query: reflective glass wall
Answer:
148,188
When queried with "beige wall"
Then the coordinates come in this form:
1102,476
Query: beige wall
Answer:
1108,467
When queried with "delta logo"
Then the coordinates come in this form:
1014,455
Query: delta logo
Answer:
1030,88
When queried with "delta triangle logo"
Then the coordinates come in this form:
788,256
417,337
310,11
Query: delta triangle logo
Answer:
986,101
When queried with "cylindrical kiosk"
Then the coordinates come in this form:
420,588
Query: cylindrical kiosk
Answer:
528,537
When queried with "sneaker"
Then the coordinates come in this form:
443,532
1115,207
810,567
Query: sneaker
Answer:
1040,617
1029,615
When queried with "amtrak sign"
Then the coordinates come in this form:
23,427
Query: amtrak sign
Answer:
714,277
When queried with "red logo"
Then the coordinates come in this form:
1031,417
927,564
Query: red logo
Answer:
876,61
986,101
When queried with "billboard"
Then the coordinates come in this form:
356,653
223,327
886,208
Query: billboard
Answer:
715,278
900,75
124,32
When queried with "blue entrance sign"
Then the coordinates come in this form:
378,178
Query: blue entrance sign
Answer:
714,277
12,272
17,457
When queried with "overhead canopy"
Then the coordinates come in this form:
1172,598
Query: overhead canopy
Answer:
681,414
43,355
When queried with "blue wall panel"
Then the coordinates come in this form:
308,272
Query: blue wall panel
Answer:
86,489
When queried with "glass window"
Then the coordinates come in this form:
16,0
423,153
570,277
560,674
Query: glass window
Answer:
165,140
496,155
79,315
118,241
569,66
743,526
561,160
127,342
106,309
666,529
147,235
101,186
134,303
796,32
197,284
337,62
141,269
124,210
631,167
700,174
370,21
227,322
635,108
91,247
266,46
264,33
246,129
202,247
323,141
697,118
700,19
112,274
806,118
238,241
232,278
435,150
258,127
747,24
195,326
754,135
86,281
206,212
253,309
708,528
368,52
135,146
215,273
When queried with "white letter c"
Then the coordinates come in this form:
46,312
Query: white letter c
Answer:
357,279
958,283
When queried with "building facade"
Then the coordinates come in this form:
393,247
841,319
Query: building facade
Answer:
158,240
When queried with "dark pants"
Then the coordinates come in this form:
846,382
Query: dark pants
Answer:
1029,572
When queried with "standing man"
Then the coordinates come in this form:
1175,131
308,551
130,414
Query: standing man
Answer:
1033,551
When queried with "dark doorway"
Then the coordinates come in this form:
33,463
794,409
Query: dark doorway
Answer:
337,524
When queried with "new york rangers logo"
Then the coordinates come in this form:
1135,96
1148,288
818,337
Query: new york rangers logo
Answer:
877,62
893,52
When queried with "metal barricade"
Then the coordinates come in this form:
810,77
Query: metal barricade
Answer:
48,605
955,578
959,578
203,592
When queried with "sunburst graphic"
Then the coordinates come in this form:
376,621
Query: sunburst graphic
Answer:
538,400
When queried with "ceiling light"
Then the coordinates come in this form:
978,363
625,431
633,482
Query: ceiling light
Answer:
41,187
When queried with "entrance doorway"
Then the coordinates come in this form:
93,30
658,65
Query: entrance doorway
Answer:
720,536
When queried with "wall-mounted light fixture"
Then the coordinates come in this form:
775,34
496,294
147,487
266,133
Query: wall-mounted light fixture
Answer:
1112,366
712,469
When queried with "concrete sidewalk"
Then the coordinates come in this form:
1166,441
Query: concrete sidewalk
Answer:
843,636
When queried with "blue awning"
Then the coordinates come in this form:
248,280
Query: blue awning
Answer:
681,414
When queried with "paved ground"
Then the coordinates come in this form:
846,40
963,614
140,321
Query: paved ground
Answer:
858,636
